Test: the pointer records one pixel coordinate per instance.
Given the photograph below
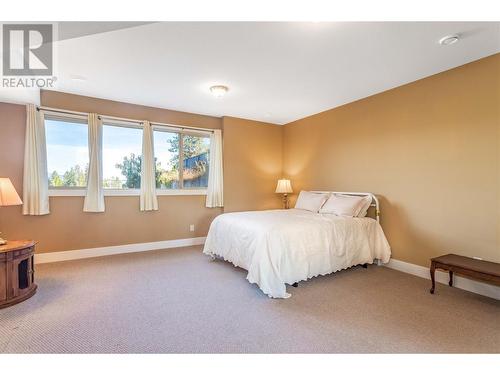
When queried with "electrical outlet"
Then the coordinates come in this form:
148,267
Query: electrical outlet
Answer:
191,228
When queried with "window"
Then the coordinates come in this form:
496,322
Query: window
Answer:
195,164
182,160
181,157
166,146
121,156
67,152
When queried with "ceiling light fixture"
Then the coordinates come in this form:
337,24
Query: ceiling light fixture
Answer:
219,90
449,39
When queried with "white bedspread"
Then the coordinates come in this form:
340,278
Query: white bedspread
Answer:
280,247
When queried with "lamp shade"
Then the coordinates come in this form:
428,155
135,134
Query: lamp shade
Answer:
284,187
8,194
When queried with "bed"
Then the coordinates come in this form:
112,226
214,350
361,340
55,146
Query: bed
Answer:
279,247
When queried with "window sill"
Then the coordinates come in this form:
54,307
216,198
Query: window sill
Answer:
124,193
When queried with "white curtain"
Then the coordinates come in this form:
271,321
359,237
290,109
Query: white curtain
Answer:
148,199
215,190
94,198
35,180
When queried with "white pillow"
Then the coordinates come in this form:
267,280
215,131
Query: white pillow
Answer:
367,201
310,201
346,205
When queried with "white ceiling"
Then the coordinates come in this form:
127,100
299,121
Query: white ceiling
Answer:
276,72
69,30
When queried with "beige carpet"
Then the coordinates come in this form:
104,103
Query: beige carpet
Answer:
177,301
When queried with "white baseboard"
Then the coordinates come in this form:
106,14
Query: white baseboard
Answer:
60,256
484,289
413,269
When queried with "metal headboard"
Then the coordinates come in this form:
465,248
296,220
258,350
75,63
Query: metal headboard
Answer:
374,203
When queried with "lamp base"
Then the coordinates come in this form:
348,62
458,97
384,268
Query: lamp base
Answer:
285,202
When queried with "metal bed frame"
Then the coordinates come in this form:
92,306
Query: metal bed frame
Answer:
375,202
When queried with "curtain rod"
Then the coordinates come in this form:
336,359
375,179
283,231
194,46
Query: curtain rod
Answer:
65,111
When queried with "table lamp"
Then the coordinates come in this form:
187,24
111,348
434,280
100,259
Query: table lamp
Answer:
284,187
8,197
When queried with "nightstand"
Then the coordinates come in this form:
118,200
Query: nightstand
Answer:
17,273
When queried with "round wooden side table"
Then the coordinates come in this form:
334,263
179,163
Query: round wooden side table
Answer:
17,273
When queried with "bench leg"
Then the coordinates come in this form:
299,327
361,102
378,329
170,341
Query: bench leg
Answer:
450,283
433,270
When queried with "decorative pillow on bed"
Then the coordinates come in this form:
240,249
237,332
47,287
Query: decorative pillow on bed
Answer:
346,205
367,201
310,201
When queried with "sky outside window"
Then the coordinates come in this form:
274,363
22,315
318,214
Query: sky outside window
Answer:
117,143
67,152
68,156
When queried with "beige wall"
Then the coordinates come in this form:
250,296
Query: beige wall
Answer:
67,227
429,149
252,164
80,103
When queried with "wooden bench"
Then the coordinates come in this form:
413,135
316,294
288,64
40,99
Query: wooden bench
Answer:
470,267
